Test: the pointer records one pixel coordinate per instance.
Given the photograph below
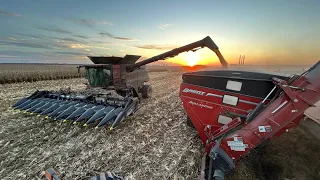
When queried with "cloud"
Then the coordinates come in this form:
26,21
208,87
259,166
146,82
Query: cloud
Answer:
24,44
55,29
44,45
50,38
68,39
11,38
105,22
124,39
42,56
72,53
46,37
101,42
20,54
77,46
81,21
117,37
8,14
30,35
7,56
88,23
99,47
80,36
157,47
85,47
106,34
164,26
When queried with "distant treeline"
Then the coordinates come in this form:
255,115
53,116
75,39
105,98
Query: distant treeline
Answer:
16,73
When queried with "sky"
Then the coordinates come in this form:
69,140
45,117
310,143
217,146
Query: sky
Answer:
266,32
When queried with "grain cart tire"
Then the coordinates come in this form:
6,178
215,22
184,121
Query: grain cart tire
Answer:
146,91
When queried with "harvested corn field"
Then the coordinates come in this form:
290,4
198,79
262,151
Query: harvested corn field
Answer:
14,73
155,143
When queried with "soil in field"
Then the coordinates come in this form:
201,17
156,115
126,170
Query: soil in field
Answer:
294,155
155,143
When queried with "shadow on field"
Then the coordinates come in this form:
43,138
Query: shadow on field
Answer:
292,156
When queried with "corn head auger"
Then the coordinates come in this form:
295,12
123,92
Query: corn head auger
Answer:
115,88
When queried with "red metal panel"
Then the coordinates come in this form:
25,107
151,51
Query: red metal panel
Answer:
283,113
204,105
116,74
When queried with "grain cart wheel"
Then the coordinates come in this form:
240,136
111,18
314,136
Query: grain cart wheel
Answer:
146,91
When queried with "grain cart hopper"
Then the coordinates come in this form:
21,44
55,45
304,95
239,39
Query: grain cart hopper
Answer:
116,85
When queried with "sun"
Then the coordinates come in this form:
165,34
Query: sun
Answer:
191,58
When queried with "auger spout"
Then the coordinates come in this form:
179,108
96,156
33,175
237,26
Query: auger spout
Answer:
205,42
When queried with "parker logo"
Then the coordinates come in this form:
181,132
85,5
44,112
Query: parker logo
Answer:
187,90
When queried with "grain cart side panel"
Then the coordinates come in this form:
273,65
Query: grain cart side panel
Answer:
212,99
206,107
287,108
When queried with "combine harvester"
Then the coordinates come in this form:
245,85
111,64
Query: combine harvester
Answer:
233,111
116,86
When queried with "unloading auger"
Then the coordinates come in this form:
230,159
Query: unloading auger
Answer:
115,87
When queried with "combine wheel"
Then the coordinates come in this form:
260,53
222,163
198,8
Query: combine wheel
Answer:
146,91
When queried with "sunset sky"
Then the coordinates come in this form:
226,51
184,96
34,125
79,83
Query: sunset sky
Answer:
266,32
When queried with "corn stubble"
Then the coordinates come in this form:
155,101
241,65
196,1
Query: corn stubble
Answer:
155,143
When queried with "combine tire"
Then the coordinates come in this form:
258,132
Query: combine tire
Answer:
146,91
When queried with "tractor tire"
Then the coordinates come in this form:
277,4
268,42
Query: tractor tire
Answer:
146,91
